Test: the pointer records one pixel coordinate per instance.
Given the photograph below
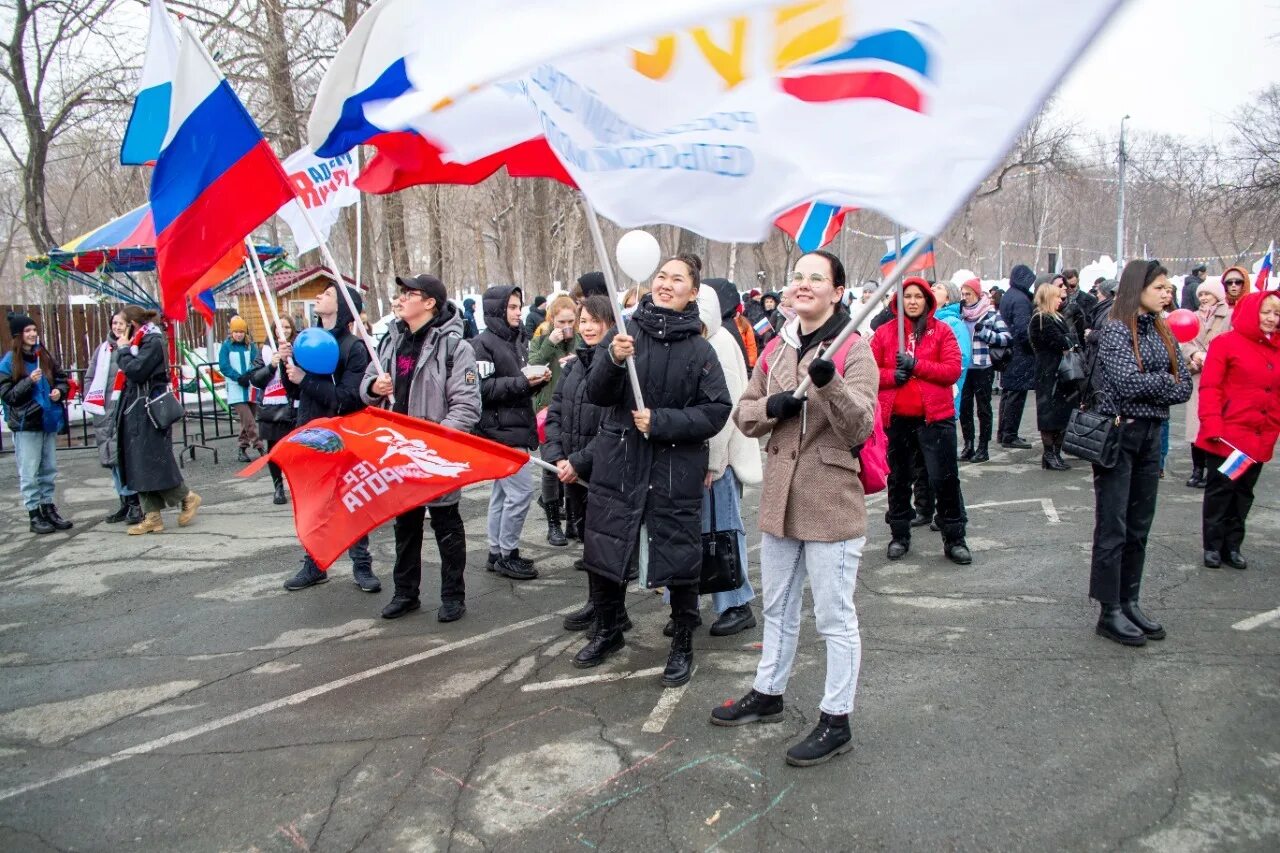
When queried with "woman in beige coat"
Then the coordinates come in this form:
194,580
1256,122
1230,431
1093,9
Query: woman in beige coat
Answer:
1215,318
813,513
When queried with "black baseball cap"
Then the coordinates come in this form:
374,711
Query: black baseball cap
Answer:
427,285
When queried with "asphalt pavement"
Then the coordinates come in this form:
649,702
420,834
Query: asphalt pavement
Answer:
165,693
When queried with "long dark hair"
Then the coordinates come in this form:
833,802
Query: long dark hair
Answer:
1137,276
43,359
838,278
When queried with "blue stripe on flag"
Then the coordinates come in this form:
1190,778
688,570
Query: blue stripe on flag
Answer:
890,257
813,231
148,123
352,127
215,136
898,47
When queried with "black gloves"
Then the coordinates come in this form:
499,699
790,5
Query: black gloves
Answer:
906,363
243,380
782,405
821,371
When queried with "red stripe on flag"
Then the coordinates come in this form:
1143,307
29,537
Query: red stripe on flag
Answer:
880,85
408,159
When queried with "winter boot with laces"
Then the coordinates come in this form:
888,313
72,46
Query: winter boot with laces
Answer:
680,660
55,518
831,737
120,514
606,638
135,509
40,524
555,533
755,707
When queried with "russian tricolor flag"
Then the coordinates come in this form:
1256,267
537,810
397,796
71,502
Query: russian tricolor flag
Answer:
1236,465
215,181
1263,272
149,120
909,241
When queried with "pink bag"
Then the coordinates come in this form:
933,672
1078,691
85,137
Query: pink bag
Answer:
541,418
874,453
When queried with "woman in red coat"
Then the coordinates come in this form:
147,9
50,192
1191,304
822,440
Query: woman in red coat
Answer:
918,408
1239,410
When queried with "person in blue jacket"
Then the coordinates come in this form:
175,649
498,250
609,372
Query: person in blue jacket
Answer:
236,362
948,311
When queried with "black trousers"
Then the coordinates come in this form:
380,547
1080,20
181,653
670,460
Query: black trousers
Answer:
451,539
575,507
610,596
921,493
1011,406
552,489
1199,457
936,443
1124,506
976,396
1226,504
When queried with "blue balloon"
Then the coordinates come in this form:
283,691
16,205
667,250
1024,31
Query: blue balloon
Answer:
316,351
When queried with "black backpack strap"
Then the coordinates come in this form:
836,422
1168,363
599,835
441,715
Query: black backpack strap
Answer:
450,347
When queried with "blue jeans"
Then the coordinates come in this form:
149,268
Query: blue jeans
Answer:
37,466
121,489
1164,443
728,517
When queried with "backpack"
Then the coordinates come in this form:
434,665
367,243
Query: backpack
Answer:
873,454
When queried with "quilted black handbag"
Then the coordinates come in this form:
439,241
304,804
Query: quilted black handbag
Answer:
1092,435
721,571
164,410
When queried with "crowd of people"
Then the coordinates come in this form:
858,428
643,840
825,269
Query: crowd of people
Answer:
639,482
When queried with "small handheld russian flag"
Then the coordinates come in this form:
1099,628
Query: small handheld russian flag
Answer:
1236,464
762,325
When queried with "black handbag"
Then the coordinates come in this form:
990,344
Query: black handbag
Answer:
1071,367
164,410
1092,435
720,569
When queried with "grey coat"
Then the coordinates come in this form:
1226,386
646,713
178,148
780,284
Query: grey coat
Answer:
451,399
104,426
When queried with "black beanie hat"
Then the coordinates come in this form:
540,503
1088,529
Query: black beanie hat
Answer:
18,323
539,301
593,284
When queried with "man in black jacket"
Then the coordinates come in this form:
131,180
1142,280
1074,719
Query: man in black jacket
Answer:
325,397
1193,281
507,387
1019,376
537,316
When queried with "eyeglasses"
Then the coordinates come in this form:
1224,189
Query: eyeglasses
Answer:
404,291
1235,281
812,278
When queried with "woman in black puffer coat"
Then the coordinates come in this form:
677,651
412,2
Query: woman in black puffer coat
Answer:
648,465
573,422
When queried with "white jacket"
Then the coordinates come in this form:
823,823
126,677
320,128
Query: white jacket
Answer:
729,447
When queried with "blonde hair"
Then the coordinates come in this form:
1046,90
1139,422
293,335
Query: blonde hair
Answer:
562,302
1044,296
634,294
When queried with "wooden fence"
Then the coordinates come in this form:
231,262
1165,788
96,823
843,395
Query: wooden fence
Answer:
73,332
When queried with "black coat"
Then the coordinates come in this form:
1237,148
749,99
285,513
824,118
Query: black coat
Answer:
505,392
535,318
1050,338
655,480
338,393
573,421
1015,309
144,453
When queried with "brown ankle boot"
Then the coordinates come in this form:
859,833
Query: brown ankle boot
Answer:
151,523
190,504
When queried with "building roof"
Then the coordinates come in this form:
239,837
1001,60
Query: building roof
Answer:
286,281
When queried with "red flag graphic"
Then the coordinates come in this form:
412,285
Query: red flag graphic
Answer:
350,474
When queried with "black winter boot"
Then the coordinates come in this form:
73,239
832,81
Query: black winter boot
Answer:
1114,625
278,498
680,661
755,707
40,524
1197,480
120,514
582,619
966,455
982,454
606,638
831,737
1153,629
135,515
52,515
555,534
1057,452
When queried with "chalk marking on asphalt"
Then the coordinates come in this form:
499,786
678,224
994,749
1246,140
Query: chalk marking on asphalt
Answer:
1046,506
1257,621
603,678
274,705
662,711
755,817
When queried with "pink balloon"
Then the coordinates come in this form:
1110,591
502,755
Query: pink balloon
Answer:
1184,324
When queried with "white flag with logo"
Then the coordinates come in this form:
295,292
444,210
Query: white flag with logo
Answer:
324,185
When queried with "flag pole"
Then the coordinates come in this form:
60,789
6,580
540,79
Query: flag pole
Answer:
897,254
361,332
266,289
867,308
593,224
262,309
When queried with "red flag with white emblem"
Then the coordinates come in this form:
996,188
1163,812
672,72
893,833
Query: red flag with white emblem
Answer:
351,474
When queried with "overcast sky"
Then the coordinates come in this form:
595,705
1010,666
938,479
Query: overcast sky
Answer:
1176,65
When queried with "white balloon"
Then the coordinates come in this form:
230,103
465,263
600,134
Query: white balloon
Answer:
638,254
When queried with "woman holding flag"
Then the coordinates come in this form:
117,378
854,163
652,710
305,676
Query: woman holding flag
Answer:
648,464
277,413
1239,422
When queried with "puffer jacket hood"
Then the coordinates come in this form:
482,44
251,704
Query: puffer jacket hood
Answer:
1022,277
728,295
495,310
709,309
1248,285
345,318
1245,319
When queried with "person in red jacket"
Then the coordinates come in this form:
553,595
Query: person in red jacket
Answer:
1239,410
918,408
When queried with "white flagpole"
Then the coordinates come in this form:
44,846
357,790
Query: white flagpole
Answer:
593,224
359,249
897,255
869,307
266,288
262,309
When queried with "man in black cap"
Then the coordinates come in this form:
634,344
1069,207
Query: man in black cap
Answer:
1196,278
326,397
428,367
